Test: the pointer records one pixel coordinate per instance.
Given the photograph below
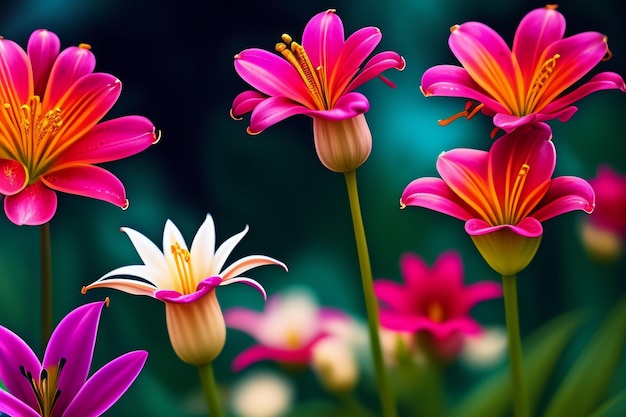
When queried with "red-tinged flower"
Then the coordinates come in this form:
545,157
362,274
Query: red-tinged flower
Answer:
604,232
528,83
433,301
50,135
58,386
503,195
317,79
185,280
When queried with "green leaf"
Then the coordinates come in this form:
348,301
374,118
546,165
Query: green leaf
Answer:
615,407
588,380
543,349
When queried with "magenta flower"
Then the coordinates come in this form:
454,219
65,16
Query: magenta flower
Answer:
185,280
59,387
529,83
287,330
433,300
317,79
503,195
50,137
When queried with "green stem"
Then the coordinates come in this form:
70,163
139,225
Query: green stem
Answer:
371,306
209,387
520,398
46,284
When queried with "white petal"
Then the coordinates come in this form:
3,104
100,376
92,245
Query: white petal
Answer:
129,286
157,278
247,263
202,250
223,252
149,253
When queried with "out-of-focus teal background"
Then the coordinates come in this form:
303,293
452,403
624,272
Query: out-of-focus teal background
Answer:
175,60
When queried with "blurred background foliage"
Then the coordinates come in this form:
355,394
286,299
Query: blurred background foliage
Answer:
174,59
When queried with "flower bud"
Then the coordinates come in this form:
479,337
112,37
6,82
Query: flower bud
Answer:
343,145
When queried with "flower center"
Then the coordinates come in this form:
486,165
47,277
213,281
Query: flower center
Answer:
513,211
182,258
539,84
293,339
313,78
46,387
33,139
435,312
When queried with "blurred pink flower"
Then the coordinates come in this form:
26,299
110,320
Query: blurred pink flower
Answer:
503,195
50,135
528,83
286,331
433,300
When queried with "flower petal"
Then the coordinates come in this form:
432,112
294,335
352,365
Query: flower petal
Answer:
150,255
247,263
225,249
245,102
259,353
33,206
447,270
434,194
15,353
528,227
129,286
111,140
246,320
107,385
248,281
43,49
479,292
390,294
72,64
15,177
203,250
16,77
565,194
88,181
323,39
73,340
12,406
377,65
271,111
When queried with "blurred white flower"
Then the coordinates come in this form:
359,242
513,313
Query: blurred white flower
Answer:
262,394
335,364
485,349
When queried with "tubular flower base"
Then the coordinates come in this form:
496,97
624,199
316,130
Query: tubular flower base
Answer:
58,386
317,79
433,302
50,137
526,84
185,281
503,195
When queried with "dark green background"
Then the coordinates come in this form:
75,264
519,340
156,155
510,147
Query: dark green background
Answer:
174,59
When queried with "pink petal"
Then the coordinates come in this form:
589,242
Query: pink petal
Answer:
448,270
73,340
14,407
602,81
16,77
477,293
88,181
354,52
259,353
323,39
14,352
536,31
204,288
246,320
528,227
246,102
271,111
107,385
377,65
33,206
15,177
72,64
43,49
415,271
434,194
111,140
390,294
565,194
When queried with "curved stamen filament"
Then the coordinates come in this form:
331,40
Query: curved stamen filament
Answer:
512,212
539,85
470,111
182,257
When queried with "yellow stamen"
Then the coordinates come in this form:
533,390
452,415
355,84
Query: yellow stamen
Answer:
435,312
515,194
46,387
539,85
84,46
295,54
182,257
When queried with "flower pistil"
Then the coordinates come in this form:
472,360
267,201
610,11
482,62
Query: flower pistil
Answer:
182,258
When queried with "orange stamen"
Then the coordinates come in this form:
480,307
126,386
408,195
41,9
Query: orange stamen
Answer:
470,111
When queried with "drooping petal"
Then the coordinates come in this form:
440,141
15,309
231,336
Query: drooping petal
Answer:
271,111
12,406
434,194
249,282
378,64
259,353
247,263
14,178
204,288
107,385
323,39
111,140
73,340
15,353
487,58
88,181
16,77
130,286
43,49
535,32
71,64
203,249
246,102
565,194
33,206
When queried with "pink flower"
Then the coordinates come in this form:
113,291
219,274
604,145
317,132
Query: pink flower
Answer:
433,300
317,79
528,83
50,137
287,330
503,195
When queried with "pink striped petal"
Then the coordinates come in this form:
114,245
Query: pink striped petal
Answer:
16,76
354,52
323,39
434,194
271,111
72,64
88,181
33,206
107,385
602,81
43,49
377,65
566,194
